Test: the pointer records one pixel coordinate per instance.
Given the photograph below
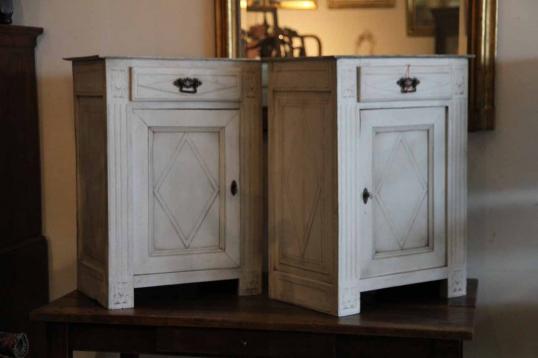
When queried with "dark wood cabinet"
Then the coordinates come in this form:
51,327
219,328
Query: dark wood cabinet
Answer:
447,27
23,249
209,320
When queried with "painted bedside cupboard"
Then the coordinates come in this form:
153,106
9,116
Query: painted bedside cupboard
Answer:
168,174
367,177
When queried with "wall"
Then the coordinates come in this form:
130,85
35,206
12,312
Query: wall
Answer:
86,27
339,29
503,193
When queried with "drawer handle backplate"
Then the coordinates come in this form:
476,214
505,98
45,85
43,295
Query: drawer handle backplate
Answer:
188,84
408,84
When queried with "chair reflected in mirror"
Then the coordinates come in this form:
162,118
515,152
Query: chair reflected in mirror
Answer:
268,39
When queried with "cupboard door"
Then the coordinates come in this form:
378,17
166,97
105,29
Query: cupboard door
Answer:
301,182
403,216
185,188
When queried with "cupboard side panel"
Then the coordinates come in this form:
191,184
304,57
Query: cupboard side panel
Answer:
251,188
457,184
120,268
303,212
92,193
349,193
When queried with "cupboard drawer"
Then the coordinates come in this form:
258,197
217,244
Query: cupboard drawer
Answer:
385,83
244,343
185,84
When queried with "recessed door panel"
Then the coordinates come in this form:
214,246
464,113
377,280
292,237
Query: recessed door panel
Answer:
300,201
184,163
403,216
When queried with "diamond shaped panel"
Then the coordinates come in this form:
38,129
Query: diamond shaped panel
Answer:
401,193
303,193
186,190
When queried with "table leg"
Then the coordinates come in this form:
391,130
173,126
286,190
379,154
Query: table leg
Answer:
58,341
369,347
448,349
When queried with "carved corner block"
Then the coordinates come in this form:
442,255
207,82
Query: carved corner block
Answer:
456,283
121,295
350,301
250,283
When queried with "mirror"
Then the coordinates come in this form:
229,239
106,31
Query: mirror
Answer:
292,28
296,28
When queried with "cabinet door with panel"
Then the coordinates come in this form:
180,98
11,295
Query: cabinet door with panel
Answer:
185,180
403,217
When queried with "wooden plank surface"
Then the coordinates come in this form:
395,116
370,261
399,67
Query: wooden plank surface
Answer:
411,311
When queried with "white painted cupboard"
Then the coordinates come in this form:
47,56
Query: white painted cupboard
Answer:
367,177
168,174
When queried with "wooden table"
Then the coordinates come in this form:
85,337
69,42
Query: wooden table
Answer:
199,319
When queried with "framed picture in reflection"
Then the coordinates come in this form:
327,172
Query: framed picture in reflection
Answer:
420,19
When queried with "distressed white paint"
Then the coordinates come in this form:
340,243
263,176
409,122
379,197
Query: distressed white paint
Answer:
158,84
377,82
408,149
403,224
183,163
171,160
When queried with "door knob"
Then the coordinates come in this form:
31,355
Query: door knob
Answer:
366,195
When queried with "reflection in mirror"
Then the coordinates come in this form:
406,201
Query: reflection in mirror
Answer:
297,28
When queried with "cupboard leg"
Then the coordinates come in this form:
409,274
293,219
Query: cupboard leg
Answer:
456,284
350,301
121,295
250,283
448,349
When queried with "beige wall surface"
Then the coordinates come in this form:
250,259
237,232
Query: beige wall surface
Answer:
88,27
83,27
503,192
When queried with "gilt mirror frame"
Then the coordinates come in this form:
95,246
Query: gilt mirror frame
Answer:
482,43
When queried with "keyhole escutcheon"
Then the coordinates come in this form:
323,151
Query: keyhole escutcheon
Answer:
365,195
233,188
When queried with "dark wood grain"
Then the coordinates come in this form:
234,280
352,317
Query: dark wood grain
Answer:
23,250
446,27
376,347
58,339
209,319
19,147
390,312
239,342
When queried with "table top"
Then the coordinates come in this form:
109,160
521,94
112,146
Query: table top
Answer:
410,311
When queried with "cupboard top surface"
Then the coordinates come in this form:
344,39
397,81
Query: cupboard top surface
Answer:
118,57
380,57
159,58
